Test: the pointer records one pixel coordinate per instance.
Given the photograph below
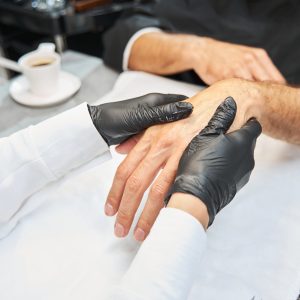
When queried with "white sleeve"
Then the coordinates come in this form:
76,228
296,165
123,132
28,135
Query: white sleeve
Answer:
37,155
164,267
132,40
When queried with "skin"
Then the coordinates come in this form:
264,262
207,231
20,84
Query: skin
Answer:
276,107
165,54
191,205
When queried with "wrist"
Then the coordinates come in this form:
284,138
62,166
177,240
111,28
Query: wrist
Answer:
191,205
248,96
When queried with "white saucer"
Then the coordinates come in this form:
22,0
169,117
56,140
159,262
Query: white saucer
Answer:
68,85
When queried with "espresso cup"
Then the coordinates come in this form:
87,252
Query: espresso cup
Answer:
41,68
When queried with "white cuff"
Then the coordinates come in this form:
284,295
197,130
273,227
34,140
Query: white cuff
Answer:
132,40
67,140
165,265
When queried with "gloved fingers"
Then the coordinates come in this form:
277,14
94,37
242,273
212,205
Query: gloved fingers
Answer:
222,118
146,116
251,130
155,99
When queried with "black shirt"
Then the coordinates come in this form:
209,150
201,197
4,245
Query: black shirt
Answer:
270,24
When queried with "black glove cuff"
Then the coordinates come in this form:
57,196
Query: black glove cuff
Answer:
205,190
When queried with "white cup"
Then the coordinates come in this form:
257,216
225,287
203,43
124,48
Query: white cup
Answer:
41,68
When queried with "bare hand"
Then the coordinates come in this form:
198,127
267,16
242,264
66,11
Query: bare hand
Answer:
215,60
161,148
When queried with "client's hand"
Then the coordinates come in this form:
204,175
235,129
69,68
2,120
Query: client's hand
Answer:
216,165
117,121
215,60
162,146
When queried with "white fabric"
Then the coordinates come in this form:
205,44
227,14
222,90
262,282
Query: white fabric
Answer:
164,266
33,157
65,249
131,41
43,153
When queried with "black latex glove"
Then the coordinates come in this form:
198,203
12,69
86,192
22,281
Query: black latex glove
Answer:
215,165
117,121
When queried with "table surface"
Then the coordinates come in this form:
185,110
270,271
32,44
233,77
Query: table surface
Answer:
97,80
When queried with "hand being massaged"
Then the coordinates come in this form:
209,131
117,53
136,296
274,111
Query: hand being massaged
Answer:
200,162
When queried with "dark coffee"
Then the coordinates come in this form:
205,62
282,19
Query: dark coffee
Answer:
41,62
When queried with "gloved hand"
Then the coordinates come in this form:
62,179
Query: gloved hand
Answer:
215,165
118,121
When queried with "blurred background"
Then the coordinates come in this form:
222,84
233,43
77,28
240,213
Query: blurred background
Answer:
71,24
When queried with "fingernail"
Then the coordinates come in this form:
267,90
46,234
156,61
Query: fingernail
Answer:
139,234
185,105
119,230
109,210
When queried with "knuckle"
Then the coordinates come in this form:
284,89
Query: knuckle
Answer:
124,215
166,142
122,172
237,67
248,57
170,175
145,224
133,183
158,191
227,73
112,200
261,52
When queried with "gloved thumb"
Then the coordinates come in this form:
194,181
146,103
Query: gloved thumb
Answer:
222,118
252,129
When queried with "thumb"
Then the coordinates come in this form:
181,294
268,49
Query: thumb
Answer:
253,128
148,116
222,118
250,131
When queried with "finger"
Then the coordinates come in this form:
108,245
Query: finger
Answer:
136,186
125,169
146,116
243,73
258,71
155,201
137,119
269,66
155,99
126,146
222,118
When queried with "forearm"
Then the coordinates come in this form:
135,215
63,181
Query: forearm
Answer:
164,53
280,117
275,106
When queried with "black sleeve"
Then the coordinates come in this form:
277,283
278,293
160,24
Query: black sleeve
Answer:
116,38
